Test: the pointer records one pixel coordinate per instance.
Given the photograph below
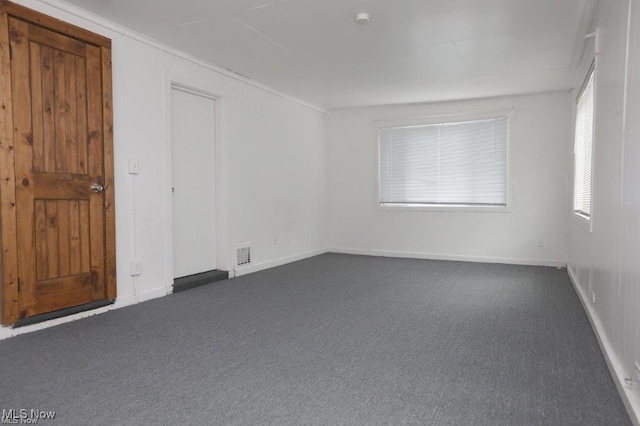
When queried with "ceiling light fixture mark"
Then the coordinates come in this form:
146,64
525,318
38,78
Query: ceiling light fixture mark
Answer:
263,36
363,18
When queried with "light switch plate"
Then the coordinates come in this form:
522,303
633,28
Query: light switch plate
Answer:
134,168
136,268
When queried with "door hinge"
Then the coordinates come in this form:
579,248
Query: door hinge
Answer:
18,285
10,52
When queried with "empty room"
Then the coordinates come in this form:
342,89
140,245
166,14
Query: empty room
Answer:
332,212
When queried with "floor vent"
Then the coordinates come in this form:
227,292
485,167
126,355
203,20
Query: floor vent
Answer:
243,255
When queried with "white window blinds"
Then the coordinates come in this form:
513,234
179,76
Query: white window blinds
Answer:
462,163
583,150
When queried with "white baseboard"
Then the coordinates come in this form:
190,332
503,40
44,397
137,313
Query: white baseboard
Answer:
249,269
121,302
131,299
6,332
630,396
455,257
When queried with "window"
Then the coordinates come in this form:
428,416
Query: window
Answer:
583,149
444,164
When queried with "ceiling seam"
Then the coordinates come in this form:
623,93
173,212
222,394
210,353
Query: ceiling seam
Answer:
263,35
150,41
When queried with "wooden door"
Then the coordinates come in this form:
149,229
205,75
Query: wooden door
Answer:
63,216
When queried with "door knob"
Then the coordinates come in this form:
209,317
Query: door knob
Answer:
96,187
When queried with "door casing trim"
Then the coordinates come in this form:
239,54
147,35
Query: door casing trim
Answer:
222,187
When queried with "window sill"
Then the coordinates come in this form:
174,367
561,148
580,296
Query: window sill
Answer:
582,221
444,208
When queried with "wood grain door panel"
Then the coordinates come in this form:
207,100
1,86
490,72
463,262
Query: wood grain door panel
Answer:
61,142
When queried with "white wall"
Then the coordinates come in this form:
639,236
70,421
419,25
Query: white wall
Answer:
275,159
278,181
605,264
538,184
276,150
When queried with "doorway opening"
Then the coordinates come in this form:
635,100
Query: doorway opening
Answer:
193,159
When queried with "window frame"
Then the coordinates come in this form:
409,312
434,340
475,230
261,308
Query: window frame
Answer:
444,119
580,218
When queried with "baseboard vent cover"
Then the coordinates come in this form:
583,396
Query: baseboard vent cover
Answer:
243,255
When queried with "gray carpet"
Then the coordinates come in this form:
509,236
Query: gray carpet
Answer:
334,339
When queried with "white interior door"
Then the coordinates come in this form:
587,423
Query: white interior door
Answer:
193,168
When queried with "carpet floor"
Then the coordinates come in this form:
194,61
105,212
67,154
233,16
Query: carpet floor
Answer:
335,340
